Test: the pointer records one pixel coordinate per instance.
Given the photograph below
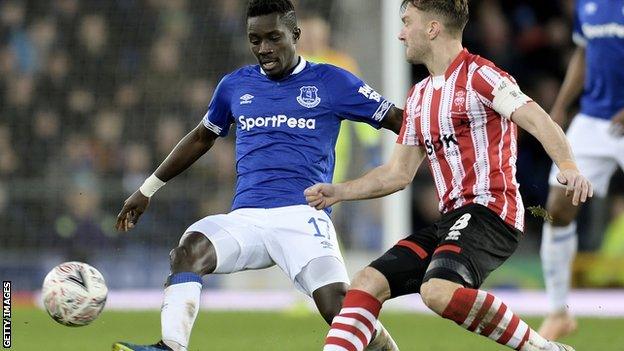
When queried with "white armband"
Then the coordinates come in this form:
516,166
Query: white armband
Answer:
508,97
151,185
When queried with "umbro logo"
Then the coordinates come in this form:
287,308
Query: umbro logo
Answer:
246,99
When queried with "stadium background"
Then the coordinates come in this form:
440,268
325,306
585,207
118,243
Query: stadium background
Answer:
94,94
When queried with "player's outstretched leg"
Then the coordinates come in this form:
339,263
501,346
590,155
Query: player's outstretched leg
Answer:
483,313
329,301
194,257
559,242
354,326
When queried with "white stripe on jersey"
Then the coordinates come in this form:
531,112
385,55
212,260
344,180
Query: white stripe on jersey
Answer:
425,126
512,163
480,142
504,126
453,156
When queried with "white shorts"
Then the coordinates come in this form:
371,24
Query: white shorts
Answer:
290,237
596,151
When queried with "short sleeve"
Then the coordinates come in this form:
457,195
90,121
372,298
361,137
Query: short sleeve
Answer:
498,90
577,30
407,135
355,100
219,116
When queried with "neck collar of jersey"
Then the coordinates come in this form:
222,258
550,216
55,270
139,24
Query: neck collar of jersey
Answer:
455,63
300,66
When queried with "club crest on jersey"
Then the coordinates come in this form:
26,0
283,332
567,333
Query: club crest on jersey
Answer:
308,97
460,98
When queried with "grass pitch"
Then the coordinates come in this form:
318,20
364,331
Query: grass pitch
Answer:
33,330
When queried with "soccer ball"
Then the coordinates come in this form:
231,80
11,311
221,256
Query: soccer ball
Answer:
74,293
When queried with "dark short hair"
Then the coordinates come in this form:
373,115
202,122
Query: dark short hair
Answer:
455,12
284,8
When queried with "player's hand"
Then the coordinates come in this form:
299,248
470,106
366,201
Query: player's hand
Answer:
617,124
322,195
133,208
576,185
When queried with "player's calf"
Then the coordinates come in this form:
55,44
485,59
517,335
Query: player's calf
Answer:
328,300
356,327
483,313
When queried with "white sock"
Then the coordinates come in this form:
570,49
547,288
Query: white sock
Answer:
179,309
558,250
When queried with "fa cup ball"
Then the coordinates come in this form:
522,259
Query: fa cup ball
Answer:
74,293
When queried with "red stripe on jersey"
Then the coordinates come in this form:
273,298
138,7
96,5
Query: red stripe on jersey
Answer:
462,121
401,137
437,145
414,247
510,195
448,247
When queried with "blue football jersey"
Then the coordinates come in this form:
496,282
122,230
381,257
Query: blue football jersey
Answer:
599,27
286,129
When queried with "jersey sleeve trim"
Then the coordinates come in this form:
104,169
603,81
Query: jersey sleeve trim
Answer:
579,40
382,110
211,126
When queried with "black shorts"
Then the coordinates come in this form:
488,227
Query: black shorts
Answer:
464,246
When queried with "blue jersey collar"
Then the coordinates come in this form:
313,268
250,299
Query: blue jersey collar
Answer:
300,66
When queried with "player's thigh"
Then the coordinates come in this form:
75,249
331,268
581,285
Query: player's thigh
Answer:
404,264
473,241
598,170
297,236
321,272
237,242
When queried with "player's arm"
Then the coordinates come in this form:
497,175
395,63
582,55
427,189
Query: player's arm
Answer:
386,179
532,118
191,147
571,87
393,120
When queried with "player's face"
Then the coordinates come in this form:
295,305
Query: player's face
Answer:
414,34
273,44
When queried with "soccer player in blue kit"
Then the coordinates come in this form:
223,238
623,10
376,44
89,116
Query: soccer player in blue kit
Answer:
287,114
596,69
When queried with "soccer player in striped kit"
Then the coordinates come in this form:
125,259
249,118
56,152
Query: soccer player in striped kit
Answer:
595,135
463,118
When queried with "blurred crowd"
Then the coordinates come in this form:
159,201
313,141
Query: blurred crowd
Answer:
94,94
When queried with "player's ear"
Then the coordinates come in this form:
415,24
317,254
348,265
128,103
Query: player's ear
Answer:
296,34
434,29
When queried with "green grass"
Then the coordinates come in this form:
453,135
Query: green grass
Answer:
33,330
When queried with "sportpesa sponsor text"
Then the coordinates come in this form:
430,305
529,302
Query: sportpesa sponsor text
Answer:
276,121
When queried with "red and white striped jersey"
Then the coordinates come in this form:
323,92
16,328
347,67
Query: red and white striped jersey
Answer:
462,119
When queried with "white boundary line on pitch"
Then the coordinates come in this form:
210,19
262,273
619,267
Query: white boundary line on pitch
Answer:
595,303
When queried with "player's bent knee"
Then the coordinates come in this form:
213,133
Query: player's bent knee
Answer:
329,299
194,254
560,208
373,282
437,293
